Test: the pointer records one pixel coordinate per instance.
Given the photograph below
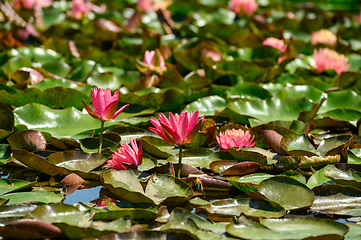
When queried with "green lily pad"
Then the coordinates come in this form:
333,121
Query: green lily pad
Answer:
348,177
287,228
337,199
77,161
167,190
38,163
165,99
12,185
297,145
51,83
318,179
272,109
196,157
250,207
158,147
5,153
301,91
125,185
350,100
288,192
206,106
33,197
184,221
64,123
248,91
57,96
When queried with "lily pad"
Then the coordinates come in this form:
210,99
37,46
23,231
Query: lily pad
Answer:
287,228
29,140
64,123
233,167
250,207
288,192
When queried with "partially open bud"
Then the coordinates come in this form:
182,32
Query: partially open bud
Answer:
153,62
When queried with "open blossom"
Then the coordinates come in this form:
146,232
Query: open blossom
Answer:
323,36
275,43
235,138
126,154
30,4
105,105
329,59
179,129
248,7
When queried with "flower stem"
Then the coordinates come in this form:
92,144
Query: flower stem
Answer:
180,161
101,138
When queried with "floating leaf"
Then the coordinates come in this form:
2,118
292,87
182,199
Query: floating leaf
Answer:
6,121
57,96
233,167
29,140
33,197
288,192
38,163
250,207
287,228
207,105
64,123
337,199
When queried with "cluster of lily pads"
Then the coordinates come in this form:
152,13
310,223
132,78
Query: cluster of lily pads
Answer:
208,119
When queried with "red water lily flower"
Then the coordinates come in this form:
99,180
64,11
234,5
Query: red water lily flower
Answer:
105,105
126,154
179,129
235,138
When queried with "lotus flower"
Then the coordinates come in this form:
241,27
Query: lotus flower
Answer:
126,154
275,43
329,59
179,129
248,7
79,8
235,138
323,36
105,105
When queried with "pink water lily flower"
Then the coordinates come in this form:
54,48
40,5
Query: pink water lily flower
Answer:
30,4
329,59
323,36
154,59
275,43
79,8
179,129
248,7
145,5
126,154
235,138
105,105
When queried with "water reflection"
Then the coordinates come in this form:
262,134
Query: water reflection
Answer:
83,195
